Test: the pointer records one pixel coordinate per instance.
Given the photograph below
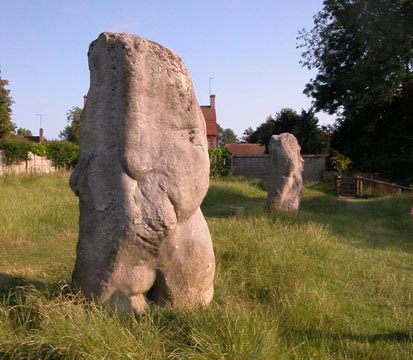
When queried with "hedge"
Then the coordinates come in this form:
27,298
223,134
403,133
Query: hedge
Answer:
63,154
14,150
220,162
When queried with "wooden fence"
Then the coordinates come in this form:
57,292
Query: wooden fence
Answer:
359,186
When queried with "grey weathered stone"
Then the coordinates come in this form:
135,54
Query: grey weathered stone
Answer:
142,175
286,167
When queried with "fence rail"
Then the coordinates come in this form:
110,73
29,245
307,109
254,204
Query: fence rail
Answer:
346,186
359,186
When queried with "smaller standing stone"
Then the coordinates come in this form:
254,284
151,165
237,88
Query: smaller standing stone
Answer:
286,167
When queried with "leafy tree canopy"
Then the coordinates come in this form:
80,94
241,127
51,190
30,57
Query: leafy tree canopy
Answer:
309,135
72,131
225,136
363,53
246,135
6,125
362,50
24,132
263,132
284,121
303,126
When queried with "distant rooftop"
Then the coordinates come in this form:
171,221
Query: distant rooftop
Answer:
245,149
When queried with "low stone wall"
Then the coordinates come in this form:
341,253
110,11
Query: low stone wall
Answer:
314,167
250,166
34,164
257,166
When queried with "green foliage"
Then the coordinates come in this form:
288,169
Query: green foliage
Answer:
263,132
225,136
339,162
24,132
332,281
246,135
14,150
72,131
379,139
362,51
309,135
6,125
285,121
39,149
63,154
304,127
220,162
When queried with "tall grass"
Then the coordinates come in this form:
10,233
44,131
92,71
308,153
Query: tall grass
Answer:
331,281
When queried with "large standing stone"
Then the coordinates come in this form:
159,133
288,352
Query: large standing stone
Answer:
142,174
286,167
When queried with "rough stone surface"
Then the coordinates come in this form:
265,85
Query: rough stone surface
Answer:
286,167
142,175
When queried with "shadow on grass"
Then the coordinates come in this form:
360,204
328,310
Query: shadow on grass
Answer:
9,283
390,337
376,223
220,202
380,223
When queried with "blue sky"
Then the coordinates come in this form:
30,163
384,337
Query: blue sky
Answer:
248,47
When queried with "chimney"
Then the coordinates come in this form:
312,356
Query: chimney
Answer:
84,100
212,101
41,136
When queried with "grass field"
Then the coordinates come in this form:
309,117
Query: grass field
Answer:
332,281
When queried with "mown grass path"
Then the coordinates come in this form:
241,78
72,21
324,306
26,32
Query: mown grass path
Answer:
331,281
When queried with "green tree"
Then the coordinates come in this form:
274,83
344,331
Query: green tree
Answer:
246,135
363,52
225,136
6,125
285,121
309,135
14,150
263,132
72,131
64,154
24,132
304,127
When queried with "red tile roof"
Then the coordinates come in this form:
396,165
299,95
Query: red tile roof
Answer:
246,149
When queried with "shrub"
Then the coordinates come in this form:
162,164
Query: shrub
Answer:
14,150
62,153
220,162
39,149
339,162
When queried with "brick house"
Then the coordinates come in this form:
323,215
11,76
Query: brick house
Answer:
36,138
210,117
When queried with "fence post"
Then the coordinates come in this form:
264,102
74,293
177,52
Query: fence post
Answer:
359,186
338,184
356,187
